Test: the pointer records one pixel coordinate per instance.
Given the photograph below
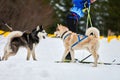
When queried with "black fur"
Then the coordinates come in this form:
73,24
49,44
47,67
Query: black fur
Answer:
27,39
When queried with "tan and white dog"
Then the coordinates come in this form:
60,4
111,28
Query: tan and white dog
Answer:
73,41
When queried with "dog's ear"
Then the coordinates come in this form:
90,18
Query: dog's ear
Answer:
41,28
38,27
67,29
58,25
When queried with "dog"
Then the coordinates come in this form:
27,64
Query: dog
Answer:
73,41
29,40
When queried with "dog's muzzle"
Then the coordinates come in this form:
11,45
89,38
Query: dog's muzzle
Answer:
56,35
44,37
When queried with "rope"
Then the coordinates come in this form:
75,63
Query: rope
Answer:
89,18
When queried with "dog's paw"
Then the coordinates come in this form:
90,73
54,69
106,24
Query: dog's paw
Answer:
0,58
35,59
72,61
95,65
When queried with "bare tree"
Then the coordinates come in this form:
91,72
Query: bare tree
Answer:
25,14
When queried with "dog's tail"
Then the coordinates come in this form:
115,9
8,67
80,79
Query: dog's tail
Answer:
13,35
93,31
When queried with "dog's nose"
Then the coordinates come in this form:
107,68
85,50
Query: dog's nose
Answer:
43,37
57,36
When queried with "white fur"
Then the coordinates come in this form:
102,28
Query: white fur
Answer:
41,34
93,30
10,36
8,49
15,34
38,28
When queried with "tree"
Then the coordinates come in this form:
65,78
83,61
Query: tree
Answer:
62,7
99,12
105,15
25,14
113,20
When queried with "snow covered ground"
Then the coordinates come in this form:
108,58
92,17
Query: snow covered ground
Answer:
50,50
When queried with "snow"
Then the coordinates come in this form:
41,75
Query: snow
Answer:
50,50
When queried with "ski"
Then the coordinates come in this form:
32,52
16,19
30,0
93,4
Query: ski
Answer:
66,61
87,62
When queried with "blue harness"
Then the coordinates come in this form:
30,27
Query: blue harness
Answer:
66,36
79,40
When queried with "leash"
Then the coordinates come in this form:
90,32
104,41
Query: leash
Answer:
88,21
88,18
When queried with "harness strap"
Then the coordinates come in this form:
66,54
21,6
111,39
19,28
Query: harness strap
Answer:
66,36
79,40
63,34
